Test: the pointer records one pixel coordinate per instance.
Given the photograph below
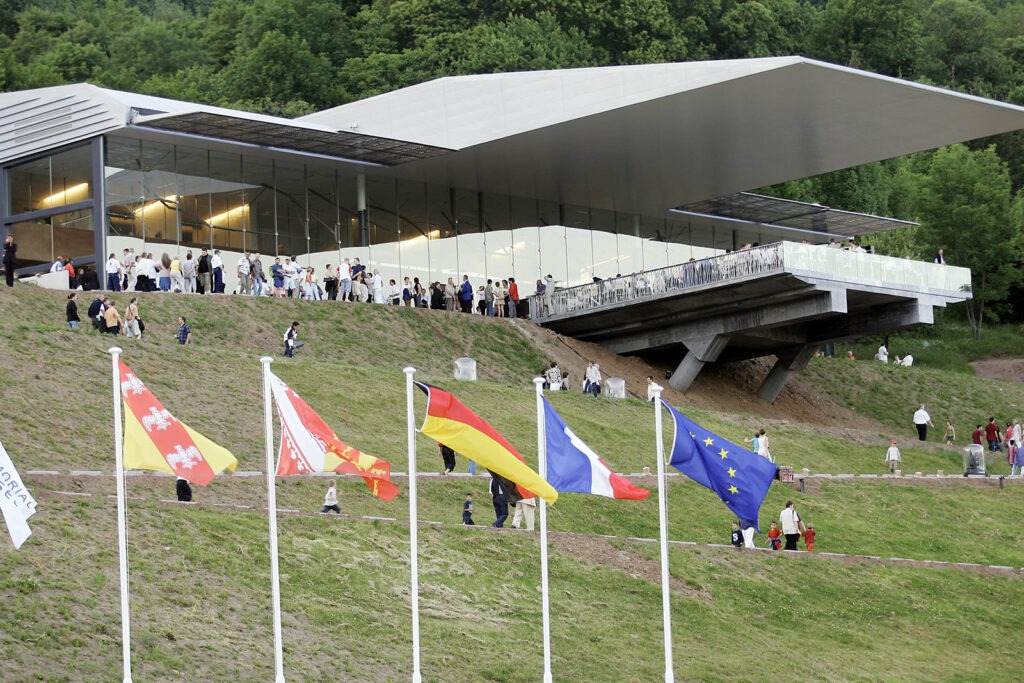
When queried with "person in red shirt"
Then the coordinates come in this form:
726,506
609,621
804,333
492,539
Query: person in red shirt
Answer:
513,298
977,435
775,537
809,537
992,435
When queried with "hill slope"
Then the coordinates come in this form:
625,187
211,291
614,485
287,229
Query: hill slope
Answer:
200,573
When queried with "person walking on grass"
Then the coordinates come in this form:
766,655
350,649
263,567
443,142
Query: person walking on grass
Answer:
791,525
132,322
500,503
71,311
922,420
184,334
467,510
950,434
331,498
893,457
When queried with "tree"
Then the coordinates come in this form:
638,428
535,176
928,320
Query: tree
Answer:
877,35
964,205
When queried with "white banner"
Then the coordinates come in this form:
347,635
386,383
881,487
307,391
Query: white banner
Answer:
16,502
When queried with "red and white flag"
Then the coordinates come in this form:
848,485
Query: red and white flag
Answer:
309,445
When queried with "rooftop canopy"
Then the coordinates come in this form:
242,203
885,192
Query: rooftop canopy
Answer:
636,140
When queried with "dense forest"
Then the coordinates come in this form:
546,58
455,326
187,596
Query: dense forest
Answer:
292,57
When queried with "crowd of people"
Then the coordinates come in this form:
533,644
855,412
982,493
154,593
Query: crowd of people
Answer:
349,281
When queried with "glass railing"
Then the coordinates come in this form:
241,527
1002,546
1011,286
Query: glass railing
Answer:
817,261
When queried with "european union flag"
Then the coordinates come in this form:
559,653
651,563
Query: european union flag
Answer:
739,477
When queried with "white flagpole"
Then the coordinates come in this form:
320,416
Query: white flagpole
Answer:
413,526
122,527
542,466
666,597
275,570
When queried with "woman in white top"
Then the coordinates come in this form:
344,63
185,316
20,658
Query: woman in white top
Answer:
762,447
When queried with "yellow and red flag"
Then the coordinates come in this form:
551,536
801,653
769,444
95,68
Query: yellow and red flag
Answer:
155,440
450,422
309,445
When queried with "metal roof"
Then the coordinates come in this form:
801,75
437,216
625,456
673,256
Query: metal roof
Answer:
339,144
636,140
756,208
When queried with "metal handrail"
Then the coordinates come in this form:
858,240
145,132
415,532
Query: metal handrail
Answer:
650,284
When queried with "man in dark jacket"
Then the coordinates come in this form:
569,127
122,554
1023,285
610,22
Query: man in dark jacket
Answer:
10,249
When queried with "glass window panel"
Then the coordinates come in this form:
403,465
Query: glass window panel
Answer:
606,254
496,211
524,212
500,256
525,246
552,253
467,213
383,214
57,180
125,196
472,259
258,182
42,240
579,250
444,253
158,214
348,197
290,208
228,215
548,213
323,211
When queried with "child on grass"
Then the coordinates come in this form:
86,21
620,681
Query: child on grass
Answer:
775,537
737,537
893,457
331,498
809,537
467,510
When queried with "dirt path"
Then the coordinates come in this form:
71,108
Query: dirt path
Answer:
1009,369
729,388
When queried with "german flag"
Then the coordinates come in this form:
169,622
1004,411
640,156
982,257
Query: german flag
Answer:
450,422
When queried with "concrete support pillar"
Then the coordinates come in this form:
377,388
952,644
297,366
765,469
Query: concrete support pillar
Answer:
699,352
788,362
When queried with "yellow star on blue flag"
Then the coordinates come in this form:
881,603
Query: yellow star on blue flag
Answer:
739,477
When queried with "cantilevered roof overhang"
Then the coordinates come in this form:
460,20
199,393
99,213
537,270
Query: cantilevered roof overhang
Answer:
639,140
643,139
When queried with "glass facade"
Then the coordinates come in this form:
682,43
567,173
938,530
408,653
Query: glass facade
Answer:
166,197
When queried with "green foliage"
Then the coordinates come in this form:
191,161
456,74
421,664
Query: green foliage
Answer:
965,188
877,35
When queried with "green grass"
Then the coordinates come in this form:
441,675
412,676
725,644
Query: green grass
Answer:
200,576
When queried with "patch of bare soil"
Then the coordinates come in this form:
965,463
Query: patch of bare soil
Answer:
1009,369
729,388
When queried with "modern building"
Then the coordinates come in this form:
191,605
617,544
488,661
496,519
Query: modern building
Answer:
576,173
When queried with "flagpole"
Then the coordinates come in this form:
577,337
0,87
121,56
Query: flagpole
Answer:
542,466
122,527
666,597
413,526
275,570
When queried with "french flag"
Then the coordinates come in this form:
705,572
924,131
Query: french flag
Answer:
574,468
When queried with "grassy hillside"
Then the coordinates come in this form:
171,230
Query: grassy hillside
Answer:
200,575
